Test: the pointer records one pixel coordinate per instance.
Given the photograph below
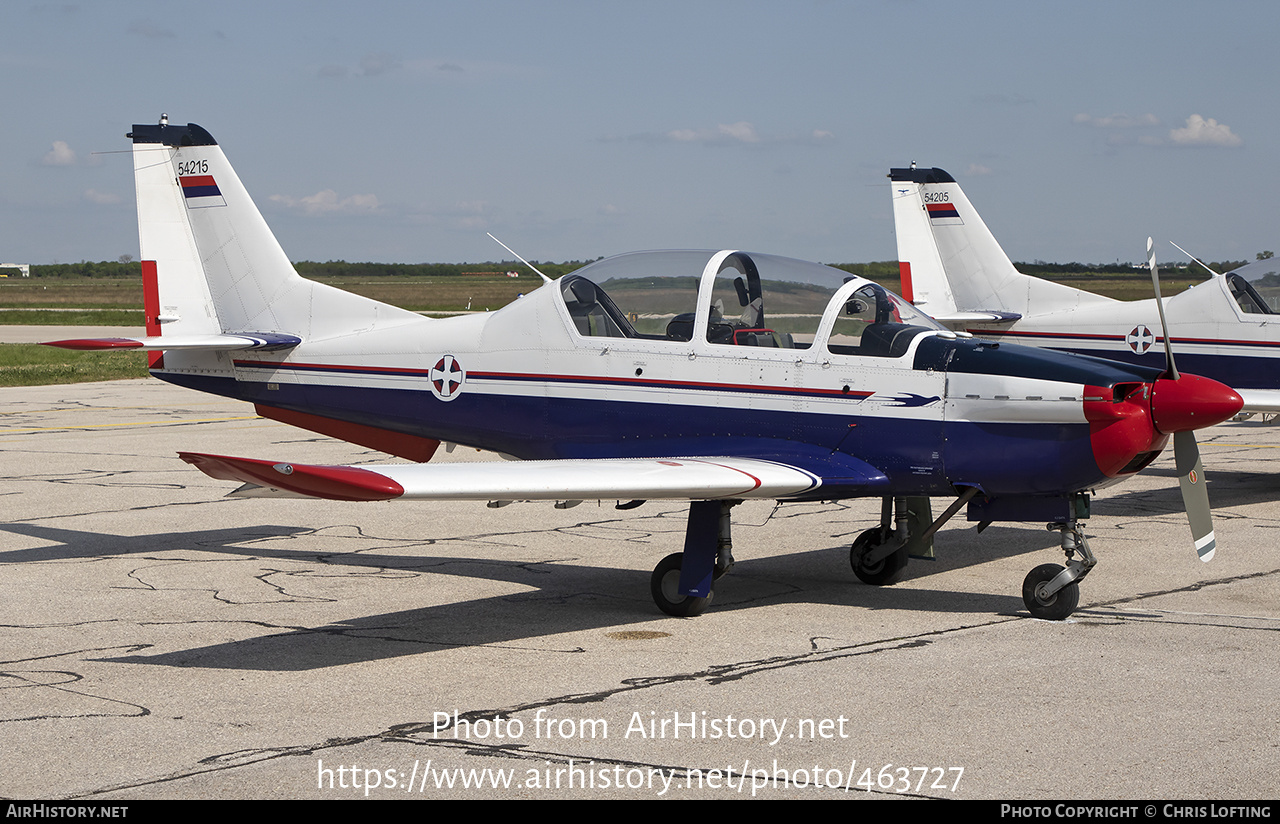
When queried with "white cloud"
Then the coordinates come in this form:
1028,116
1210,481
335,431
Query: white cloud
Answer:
1200,131
60,155
1003,100
146,28
729,134
740,132
374,64
470,215
327,202
1117,121
101,198
977,170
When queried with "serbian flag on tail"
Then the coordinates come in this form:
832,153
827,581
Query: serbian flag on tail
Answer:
943,214
200,191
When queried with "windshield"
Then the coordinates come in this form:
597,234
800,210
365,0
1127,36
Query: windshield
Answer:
1256,287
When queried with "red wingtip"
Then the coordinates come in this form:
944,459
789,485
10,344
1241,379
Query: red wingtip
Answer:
94,343
335,483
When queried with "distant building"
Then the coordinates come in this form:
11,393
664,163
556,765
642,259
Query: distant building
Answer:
25,267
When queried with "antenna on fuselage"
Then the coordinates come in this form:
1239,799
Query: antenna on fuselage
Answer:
545,279
1193,257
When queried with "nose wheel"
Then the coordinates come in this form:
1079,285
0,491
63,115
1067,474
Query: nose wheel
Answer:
1052,592
1050,607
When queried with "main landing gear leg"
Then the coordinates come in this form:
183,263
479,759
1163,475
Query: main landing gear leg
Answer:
682,582
1052,592
879,555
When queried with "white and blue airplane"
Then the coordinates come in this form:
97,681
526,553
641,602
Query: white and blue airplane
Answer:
1226,328
708,376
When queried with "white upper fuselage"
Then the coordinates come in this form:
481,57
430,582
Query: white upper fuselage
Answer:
555,375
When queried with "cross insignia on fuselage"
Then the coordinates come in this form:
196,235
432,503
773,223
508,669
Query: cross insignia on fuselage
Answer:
1140,339
446,378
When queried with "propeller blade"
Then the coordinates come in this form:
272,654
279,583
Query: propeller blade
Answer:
1195,496
1164,326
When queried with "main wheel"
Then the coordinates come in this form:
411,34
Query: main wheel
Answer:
1056,607
665,586
885,571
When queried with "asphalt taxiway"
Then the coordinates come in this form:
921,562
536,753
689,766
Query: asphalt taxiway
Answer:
162,641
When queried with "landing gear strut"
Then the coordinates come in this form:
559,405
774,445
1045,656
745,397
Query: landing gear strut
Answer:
884,569
682,582
1052,592
879,555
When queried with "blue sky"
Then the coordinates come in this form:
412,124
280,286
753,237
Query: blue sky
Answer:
403,131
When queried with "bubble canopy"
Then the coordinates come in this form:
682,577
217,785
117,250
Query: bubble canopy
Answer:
1256,287
736,298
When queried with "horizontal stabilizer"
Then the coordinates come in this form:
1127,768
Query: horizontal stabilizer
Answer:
598,479
154,343
976,317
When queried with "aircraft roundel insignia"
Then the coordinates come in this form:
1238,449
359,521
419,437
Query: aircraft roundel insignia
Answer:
447,377
1140,339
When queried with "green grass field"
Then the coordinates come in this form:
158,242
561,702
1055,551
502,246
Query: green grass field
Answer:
30,364
118,301
71,317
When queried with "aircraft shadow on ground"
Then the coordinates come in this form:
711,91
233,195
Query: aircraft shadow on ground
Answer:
565,598
1227,488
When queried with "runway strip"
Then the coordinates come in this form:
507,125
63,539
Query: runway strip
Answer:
162,641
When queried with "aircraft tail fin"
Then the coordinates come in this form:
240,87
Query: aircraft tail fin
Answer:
924,281
952,266
218,268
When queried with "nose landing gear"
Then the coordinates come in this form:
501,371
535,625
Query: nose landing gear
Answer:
1052,592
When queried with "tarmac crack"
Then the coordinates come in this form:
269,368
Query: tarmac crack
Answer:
420,733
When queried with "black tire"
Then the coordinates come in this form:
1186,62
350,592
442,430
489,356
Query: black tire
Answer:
665,587
1058,606
885,571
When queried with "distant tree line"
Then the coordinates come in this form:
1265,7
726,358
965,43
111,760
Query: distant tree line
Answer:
86,268
1050,270
126,267
308,268
341,268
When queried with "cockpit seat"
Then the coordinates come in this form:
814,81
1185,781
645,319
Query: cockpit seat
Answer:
887,340
582,299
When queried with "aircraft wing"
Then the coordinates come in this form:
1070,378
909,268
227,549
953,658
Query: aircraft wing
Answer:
265,340
699,478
